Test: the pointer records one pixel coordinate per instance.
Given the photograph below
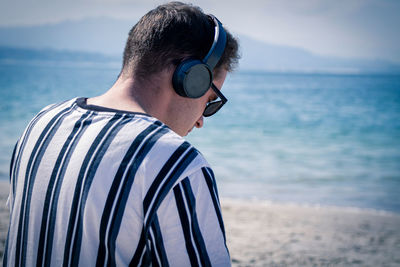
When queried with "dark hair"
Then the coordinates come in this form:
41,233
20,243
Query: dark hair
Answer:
169,34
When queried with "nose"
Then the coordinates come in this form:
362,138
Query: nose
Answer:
199,122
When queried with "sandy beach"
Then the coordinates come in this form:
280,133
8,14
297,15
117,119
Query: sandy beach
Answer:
270,234
265,234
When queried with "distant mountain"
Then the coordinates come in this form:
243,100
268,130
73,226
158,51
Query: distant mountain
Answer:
13,54
103,39
101,35
258,55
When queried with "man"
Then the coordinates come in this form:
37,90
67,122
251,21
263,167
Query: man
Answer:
109,180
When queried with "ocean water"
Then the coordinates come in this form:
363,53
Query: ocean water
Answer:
300,138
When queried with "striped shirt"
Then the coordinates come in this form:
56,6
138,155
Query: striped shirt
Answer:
95,186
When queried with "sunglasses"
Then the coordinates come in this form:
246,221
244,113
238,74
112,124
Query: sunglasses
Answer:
213,106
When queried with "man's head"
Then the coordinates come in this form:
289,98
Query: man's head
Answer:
164,38
167,35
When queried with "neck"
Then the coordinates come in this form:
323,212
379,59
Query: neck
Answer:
130,94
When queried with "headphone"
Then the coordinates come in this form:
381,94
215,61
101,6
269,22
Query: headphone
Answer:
193,77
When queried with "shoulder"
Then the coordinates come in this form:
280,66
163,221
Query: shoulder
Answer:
46,115
52,111
71,103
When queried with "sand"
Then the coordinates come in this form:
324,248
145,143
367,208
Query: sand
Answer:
265,234
270,234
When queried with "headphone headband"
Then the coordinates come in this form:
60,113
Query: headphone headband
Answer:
218,46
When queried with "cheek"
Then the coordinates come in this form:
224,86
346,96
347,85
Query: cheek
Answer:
197,111
202,105
199,104
193,111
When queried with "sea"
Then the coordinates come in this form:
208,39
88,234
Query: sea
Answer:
304,138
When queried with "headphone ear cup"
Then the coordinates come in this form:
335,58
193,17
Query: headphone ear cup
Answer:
192,78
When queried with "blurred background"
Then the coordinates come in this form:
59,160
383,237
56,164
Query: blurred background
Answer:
314,108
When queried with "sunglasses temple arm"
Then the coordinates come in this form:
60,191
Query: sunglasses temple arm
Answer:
218,92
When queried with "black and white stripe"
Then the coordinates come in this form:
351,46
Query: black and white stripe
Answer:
186,204
86,176
15,164
212,187
117,197
50,207
160,257
21,144
30,175
106,188
161,186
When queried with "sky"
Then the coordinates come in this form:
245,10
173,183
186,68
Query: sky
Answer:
343,28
